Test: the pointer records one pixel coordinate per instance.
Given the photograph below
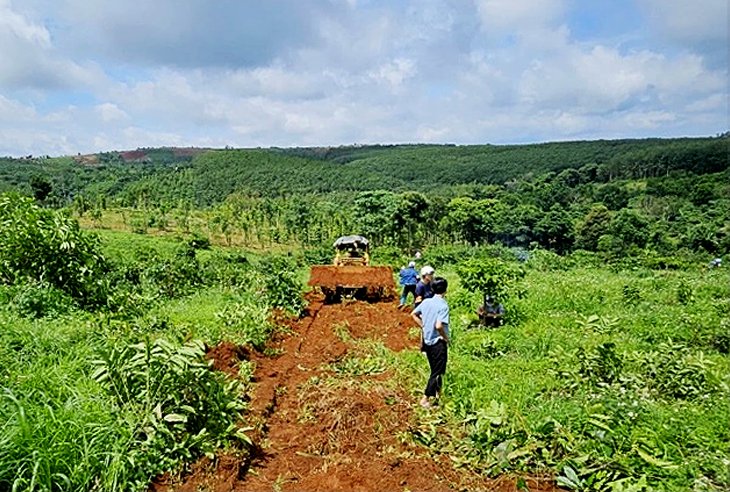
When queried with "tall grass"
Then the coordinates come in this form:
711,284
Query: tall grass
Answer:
609,379
108,400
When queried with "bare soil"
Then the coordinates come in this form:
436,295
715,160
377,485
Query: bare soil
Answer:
351,276
317,430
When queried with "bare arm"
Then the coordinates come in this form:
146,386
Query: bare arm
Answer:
417,318
442,332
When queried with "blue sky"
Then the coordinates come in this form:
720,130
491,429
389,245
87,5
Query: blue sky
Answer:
99,75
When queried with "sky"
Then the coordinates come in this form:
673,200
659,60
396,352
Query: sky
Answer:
82,76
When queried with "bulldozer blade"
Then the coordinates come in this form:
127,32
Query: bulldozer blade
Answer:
362,282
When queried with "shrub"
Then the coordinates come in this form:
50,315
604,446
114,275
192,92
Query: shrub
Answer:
675,372
48,246
319,255
176,276
179,407
38,300
491,276
283,289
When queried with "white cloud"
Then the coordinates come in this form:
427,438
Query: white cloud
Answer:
508,16
29,60
394,73
14,24
462,71
109,112
689,20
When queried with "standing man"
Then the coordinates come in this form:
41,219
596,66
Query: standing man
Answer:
423,288
408,279
432,315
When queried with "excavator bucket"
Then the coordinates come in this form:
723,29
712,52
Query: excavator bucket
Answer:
372,283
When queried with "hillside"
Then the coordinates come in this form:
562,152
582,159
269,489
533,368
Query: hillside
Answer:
205,176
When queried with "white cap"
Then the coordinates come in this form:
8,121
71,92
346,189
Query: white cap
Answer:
411,264
427,270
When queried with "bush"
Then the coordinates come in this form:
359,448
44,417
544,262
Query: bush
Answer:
319,255
283,289
675,372
176,276
38,300
179,407
48,247
491,277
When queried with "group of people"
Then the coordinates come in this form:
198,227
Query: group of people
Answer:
431,313
419,286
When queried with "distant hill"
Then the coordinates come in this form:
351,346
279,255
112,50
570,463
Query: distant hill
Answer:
206,176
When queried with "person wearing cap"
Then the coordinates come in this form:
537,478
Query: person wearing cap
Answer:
423,287
491,313
408,279
432,315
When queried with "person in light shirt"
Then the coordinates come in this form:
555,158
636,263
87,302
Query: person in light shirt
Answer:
432,315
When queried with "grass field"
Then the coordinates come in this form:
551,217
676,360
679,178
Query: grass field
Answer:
610,379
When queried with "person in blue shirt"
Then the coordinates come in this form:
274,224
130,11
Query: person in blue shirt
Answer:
432,315
408,279
423,288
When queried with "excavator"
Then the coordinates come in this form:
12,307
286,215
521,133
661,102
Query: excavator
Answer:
350,276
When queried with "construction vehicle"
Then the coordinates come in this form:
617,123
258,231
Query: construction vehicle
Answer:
350,275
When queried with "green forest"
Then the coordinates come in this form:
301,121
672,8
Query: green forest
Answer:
120,272
613,197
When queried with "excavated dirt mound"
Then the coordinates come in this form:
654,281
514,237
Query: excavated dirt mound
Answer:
318,427
351,276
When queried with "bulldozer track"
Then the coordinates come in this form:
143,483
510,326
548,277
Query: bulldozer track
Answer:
316,430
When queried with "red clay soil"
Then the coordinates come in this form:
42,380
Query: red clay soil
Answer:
226,357
317,431
351,276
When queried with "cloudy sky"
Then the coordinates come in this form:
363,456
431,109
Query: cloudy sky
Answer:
98,75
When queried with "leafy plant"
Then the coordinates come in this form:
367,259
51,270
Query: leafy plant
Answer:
283,289
38,300
180,408
247,322
685,293
601,365
48,247
675,372
491,276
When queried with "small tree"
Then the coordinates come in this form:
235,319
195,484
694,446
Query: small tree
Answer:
490,276
47,246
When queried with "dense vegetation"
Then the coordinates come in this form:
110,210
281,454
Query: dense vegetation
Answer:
614,377
607,196
102,368
611,372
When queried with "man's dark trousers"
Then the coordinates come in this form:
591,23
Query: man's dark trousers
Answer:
437,355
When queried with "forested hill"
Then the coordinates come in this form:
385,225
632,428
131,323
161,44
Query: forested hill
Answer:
206,177
278,172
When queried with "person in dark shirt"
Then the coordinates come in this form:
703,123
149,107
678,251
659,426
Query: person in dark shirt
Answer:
423,288
408,279
491,313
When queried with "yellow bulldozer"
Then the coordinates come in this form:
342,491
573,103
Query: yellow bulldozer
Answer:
350,275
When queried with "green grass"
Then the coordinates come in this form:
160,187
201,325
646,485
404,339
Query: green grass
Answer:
543,374
64,425
608,378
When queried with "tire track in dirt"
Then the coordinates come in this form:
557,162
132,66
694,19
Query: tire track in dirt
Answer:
316,430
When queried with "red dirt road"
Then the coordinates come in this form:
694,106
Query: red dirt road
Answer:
319,429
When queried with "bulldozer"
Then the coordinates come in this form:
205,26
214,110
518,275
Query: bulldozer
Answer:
350,276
